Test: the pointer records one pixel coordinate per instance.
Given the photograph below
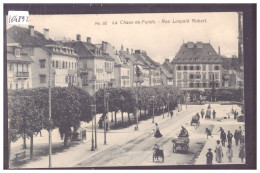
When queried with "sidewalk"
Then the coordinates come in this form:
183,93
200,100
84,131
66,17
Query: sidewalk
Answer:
75,154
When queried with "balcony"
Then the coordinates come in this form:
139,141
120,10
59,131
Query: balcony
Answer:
22,74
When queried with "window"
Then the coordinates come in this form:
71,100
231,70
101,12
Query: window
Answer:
217,85
11,86
191,67
216,67
191,76
210,67
66,65
185,84
28,86
198,85
22,85
75,65
42,63
10,67
204,85
57,64
191,85
42,78
197,67
185,67
53,63
63,64
179,67
179,84
16,85
69,64
17,52
204,67
179,75
216,76
72,65
185,75
204,76
198,76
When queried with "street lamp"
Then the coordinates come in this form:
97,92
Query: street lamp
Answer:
95,109
153,108
168,103
106,106
92,139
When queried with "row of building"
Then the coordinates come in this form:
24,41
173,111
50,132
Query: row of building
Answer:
35,60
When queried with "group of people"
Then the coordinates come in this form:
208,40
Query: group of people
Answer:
239,138
208,114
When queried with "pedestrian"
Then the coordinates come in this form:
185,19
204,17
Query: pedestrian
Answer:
242,139
219,152
223,138
202,113
229,138
157,131
209,156
208,132
209,107
171,114
236,137
242,152
214,114
240,133
229,153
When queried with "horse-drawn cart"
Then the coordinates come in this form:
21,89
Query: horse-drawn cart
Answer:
182,142
195,120
158,153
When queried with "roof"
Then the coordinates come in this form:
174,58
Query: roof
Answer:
22,35
167,65
124,55
145,59
24,58
166,72
197,53
87,50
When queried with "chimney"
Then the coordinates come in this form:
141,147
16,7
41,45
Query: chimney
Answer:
132,51
31,30
103,45
127,50
167,60
219,50
122,47
137,51
88,39
78,37
46,33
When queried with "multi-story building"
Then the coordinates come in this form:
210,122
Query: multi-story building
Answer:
151,66
50,59
19,74
197,66
95,67
166,76
121,67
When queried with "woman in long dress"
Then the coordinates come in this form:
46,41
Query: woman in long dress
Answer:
157,131
219,152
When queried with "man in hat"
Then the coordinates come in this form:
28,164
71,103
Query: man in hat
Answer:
202,113
209,156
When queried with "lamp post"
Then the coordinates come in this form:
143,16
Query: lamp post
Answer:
168,103
106,112
153,109
92,126
50,120
95,110
136,102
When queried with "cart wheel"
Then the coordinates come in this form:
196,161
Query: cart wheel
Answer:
153,157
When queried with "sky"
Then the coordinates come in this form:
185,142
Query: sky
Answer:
149,32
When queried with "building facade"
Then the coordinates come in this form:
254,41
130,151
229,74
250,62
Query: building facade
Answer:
49,57
19,75
197,66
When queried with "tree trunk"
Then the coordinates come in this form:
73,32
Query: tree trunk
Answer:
115,117
112,117
66,140
163,109
24,141
122,114
140,112
128,117
145,112
31,147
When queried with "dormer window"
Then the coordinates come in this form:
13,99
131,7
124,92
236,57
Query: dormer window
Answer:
17,53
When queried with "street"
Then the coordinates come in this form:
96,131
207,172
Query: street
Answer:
126,147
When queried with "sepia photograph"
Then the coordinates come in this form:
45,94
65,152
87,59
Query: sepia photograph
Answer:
125,90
